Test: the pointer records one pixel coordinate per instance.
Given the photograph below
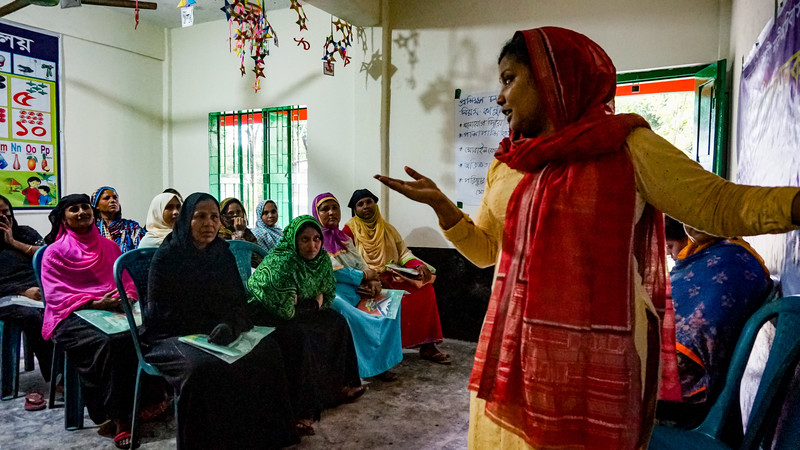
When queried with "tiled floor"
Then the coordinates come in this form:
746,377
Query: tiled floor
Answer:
427,408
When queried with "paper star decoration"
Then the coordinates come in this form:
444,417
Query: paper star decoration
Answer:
251,34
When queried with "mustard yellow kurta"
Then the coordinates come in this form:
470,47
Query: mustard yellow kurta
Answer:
666,179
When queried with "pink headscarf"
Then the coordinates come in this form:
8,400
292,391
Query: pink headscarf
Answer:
76,269
333,239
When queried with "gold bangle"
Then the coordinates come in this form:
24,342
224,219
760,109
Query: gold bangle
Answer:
29,249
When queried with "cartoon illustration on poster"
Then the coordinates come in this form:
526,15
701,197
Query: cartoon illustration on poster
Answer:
29,117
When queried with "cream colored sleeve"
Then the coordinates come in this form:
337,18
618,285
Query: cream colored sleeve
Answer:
479,240
681,188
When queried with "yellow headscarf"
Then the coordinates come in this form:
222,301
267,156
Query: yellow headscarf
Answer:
378,242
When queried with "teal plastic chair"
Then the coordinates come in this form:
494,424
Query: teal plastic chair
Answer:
243,252
137,264
722,428
10,337
73,394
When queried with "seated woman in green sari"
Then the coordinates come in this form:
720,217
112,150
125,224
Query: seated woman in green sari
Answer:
293,290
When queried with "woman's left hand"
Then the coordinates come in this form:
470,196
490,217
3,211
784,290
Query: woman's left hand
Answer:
370,288
6,233
239,223
425,272
319,299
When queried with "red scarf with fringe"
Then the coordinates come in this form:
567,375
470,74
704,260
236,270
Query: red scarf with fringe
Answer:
556,361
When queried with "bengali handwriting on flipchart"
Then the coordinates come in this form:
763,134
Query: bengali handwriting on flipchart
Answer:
479,127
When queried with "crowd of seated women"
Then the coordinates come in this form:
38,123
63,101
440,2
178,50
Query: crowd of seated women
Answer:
308,289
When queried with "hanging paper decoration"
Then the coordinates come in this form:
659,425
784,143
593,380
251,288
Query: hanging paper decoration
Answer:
252,34
332,47
297,6
187,12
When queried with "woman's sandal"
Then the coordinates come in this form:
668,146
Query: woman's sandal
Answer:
123,441
437,357
350,394
387,376
304,427
35,401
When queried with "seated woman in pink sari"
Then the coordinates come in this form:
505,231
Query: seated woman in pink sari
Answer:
77,273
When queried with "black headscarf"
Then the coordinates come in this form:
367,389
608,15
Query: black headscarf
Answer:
191,290
16,271
56,216
358,195
20,232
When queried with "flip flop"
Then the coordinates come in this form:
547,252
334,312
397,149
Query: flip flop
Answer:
35,401
125,436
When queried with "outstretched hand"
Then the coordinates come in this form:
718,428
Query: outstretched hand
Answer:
422,189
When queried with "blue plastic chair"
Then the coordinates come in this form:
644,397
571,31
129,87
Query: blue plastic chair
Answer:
722,428
73,394
243,252
10,335
137,264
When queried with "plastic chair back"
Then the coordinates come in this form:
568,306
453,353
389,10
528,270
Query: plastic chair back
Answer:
243,252
137,264
723,425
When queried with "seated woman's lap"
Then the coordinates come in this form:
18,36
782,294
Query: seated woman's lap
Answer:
107,365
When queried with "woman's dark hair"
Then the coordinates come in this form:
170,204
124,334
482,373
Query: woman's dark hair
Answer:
269,201
56,216
8,203
673,229
517,49
175,192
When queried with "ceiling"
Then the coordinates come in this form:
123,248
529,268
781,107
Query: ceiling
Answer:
168,15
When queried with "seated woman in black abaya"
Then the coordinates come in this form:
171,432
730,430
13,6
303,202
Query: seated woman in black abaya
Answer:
195,288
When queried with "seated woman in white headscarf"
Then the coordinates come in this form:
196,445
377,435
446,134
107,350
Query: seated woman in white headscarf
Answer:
161,216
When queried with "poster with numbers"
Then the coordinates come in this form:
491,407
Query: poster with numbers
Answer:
480,126
29,117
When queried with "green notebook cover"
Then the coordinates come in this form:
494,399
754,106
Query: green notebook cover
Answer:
246,342
110,322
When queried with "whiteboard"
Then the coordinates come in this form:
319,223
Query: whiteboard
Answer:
479,128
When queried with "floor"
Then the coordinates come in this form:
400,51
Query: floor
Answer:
426,408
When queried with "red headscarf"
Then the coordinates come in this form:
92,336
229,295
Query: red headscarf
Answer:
556,361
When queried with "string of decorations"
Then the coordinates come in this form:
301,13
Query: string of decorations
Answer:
297,6
332,47
249,33
252,34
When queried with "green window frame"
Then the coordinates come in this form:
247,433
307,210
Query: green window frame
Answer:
260,154
711,109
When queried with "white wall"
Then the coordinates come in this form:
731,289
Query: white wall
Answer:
204,78
111,103
458,47
153,115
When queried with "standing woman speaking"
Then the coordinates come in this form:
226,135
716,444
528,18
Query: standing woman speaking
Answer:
568,354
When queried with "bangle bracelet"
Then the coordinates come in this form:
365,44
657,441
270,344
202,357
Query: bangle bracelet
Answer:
29,248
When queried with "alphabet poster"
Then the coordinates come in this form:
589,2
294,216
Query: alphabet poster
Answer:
29,117
769,130
480,126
